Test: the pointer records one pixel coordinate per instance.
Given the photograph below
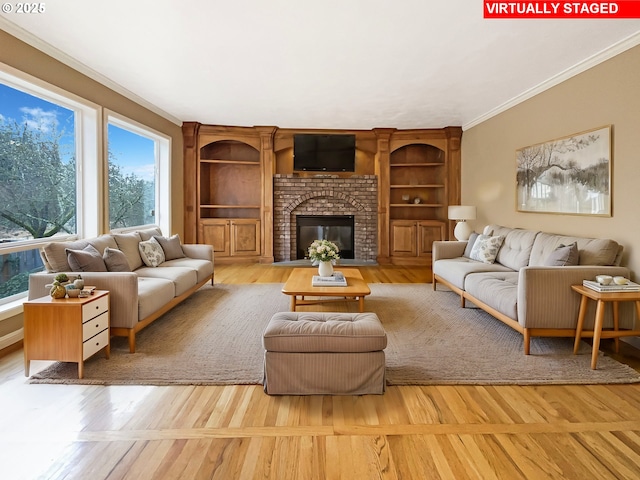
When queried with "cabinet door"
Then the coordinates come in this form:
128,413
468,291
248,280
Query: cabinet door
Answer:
217,234
403,238
428,232
245,237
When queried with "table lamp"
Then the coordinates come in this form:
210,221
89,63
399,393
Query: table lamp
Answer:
462,213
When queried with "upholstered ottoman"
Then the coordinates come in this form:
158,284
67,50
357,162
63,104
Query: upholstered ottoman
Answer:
321,353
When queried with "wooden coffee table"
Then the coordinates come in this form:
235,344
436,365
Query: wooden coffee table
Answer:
298,286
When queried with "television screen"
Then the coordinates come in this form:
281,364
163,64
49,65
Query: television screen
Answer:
324,153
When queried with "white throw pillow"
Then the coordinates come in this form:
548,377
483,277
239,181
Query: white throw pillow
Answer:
485,249
151,252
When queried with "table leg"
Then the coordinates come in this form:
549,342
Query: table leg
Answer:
616,325
581,314
361,304
293,302
80,369
597,332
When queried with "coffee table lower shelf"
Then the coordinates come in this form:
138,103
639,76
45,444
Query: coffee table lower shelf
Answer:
299,287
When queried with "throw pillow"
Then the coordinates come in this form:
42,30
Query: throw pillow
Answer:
564,255
86,260
115,260
485,249
151,252
128,244
171,247
470,243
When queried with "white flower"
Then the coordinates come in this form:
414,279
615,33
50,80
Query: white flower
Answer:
323,251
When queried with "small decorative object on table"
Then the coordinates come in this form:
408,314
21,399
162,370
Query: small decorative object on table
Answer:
325,253
57,290
79,282
62,278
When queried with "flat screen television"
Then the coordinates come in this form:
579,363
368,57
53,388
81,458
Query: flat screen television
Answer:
324,152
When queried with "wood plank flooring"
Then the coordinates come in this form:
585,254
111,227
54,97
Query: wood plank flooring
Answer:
238,432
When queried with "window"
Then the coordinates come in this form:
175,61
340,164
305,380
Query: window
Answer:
138,172
49,183
37,181
132,174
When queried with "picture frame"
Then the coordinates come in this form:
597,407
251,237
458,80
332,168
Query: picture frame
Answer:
570,175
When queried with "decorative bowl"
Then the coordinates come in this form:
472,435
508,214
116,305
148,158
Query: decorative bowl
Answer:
620,280
604,279
73,292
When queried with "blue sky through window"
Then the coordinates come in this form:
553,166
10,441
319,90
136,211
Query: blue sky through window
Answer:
134,153
23,108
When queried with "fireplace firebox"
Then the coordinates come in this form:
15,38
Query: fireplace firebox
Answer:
335,228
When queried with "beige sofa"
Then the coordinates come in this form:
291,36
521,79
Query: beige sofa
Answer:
524,287
139,292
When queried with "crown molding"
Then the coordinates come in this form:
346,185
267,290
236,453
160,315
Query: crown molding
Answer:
39,44
590,62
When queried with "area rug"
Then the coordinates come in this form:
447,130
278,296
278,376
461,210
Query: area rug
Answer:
215,338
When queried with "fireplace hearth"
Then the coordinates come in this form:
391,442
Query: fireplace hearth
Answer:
335,228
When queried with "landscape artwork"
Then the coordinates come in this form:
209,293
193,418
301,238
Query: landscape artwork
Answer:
570,175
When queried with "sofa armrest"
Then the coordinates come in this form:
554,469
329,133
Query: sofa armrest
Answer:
447,249
200,251
122,287
545,298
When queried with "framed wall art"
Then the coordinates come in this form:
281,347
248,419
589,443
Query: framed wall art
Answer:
570,175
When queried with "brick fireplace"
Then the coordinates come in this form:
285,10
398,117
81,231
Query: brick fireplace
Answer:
325,195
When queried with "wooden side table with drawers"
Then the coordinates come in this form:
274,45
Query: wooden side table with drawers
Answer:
67,329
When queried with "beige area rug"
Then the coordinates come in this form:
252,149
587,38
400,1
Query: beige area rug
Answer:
214,338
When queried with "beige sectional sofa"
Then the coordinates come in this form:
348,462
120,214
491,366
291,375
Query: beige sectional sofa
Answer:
528,285
143,284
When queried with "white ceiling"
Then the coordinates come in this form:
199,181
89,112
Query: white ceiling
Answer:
319,64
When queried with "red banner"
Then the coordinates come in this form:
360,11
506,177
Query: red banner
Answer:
517,9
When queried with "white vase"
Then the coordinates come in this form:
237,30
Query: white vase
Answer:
325,269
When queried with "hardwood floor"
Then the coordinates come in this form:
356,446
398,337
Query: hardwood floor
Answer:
238,432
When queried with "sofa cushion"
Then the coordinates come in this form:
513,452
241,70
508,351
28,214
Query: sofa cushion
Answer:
455,270
499,290
470,243
592,251
203,268
57,256
153,294
128,244
86,260
485,249
115,260
563,256
516,248
147,233
171,246
102,242
151,252
183,278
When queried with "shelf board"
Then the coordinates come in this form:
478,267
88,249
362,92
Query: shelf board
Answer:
414,205
232,162
426,164
431,185
229,206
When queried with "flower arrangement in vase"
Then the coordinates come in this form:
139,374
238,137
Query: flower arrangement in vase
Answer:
325,253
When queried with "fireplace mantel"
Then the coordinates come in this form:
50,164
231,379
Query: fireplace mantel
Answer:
356,195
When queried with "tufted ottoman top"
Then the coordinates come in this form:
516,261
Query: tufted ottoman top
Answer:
324,332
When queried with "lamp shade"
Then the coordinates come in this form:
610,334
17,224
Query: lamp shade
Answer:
462,212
